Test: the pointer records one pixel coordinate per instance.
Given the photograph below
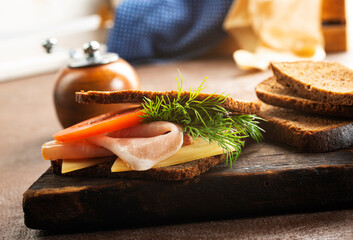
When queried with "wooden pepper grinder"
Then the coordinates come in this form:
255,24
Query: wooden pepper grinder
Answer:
93,71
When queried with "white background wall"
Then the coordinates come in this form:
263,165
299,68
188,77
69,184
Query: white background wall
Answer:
24,24
26,17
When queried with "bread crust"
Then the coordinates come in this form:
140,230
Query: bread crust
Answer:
137,96
178,172
320,81
171,173
271,92
308,133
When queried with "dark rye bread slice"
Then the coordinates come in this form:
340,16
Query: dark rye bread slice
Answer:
137,96
308,133
320,81
271,92
171,173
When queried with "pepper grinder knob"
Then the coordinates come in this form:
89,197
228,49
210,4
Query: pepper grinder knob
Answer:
49,44
91,48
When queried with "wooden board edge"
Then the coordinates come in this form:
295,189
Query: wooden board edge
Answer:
273,191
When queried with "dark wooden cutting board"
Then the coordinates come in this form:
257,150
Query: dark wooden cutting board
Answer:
267,178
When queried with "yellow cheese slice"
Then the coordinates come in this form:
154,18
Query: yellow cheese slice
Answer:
199,149
70,165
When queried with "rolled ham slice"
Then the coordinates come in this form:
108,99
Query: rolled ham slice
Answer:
143,146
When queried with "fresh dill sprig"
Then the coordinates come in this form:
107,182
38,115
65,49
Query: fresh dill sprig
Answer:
205,118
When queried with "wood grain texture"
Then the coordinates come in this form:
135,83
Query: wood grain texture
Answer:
335,37
266,179
28,120
333,11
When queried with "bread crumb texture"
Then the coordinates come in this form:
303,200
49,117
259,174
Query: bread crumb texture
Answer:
306,132
137,96
320,81
271,92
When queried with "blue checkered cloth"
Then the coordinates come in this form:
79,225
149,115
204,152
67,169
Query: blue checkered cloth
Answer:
160,30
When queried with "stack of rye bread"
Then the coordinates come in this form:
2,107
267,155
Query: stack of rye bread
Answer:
311,105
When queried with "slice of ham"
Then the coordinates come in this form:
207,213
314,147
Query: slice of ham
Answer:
143,146
80,149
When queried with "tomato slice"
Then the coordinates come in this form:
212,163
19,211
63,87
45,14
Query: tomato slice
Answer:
101,124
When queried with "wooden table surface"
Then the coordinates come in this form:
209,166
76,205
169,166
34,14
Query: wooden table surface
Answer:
28,120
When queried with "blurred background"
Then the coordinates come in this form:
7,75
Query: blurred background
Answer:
24,24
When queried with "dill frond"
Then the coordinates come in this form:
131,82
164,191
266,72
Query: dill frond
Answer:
206,119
